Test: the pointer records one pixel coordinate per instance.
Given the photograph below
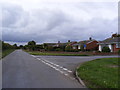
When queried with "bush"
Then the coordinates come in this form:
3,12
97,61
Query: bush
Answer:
50,48
68,48
82,48
58,49
75,50
106,49
119,52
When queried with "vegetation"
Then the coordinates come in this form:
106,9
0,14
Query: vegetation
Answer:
6,52
82,48
100,73
68,48
7,49
55,54
6,46
119,52
31,45
106,49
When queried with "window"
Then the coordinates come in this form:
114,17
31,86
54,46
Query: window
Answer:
118,45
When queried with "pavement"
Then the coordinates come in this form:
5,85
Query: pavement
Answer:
22,70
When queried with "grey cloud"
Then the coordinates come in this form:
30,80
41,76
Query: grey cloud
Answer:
44,25
10,15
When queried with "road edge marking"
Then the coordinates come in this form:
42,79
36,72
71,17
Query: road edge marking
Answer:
78,78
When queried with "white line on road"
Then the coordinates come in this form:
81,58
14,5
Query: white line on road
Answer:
54,66
58,66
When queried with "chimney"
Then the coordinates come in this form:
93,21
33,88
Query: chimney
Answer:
68,40
114,35
90,38
58,42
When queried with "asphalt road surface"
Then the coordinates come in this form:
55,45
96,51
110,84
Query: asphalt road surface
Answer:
22,70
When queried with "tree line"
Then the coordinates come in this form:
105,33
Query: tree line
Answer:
30,46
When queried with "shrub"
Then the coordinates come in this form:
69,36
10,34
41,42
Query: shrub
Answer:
58,49
82,48
106,49
50,48
119,52
75,50
68,48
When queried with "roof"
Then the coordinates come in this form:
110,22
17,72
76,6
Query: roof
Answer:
77,44
83,42
86,41
110,40
50,43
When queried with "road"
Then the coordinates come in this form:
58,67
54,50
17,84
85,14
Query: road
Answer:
22,70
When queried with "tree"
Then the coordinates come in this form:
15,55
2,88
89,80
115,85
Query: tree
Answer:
106,49
6,46
26,47
21,46
15,46
38,47
31,45
45,45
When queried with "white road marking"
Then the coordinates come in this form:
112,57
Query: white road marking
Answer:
33,56
65,69
69,71
58,66
54,66
66,74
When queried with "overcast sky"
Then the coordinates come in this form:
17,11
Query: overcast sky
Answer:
58,20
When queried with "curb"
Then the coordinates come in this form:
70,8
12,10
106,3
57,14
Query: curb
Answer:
79,79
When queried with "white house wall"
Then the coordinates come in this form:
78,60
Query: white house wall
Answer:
100,47
79,47
110,46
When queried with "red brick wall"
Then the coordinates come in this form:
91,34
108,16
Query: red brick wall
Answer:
115,49
92,45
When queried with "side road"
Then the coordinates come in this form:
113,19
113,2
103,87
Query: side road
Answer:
20,70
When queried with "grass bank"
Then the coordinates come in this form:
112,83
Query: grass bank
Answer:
100,73
55,54
6,52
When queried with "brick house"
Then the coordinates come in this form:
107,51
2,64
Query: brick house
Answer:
58,45
113,43
88,45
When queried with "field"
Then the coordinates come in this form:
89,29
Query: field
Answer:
100,73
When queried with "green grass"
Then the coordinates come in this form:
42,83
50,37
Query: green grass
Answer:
100,73
6,52
55,54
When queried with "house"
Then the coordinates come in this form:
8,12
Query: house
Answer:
113,43
88,45
48,44
58,45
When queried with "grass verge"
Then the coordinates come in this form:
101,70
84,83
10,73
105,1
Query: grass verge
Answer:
55,54
6,52
100,73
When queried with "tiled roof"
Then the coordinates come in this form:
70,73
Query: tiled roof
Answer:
83,42
86,41
111,40
50,43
